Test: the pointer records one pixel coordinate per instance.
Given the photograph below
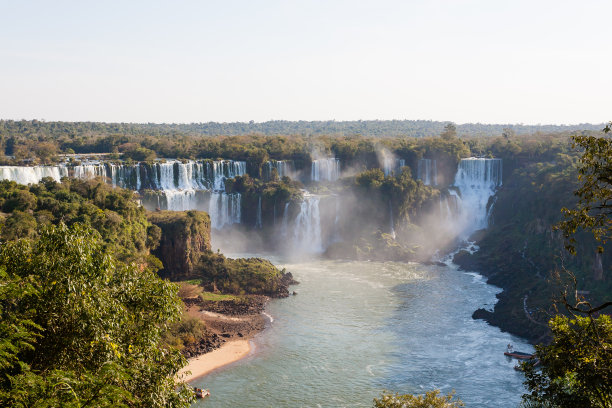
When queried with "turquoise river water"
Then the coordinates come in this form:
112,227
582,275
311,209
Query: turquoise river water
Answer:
358,328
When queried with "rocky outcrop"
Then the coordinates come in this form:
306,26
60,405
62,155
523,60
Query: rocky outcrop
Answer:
185,236
205,345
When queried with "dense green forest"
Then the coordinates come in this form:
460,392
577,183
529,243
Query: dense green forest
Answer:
368,128
42,142
114,213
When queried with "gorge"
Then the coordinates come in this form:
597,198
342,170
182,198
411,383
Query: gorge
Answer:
324,210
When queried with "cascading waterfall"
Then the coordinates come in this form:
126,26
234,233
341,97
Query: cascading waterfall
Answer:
258,223
392,165
31,175
284,225
307,233
325,169
179,184
477,179
427,171
336,236
449,206
224,209
392,224
180,200
284,168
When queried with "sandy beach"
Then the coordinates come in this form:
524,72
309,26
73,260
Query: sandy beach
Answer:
228,353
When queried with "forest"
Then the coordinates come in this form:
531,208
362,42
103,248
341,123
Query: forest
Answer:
105,230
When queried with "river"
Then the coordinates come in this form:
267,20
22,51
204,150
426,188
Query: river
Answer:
358,328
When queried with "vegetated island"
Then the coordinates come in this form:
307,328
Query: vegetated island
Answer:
224,298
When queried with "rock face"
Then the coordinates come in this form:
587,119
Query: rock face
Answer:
185,236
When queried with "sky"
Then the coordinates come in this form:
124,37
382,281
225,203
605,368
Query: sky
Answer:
487,61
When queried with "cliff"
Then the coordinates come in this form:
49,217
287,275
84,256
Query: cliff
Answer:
185,237
523,254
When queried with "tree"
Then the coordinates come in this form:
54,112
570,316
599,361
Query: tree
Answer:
431,399
594,207
450,131
81,329
576,368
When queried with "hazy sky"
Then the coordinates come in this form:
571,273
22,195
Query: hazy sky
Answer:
489,61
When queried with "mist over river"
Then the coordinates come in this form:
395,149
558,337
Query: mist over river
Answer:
358,328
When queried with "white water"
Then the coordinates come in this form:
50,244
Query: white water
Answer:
307,229
285,223
391,164
325,169
427,171
31,175
224,209
284,168
167,175
477,180
179,183
392,224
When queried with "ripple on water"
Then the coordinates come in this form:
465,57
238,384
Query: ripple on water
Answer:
360,327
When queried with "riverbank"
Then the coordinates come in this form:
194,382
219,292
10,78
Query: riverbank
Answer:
228,353
230,325
524,298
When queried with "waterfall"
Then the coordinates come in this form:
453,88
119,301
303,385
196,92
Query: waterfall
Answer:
336,236
427,171
307,233
450,207
177,200
477,180
325,169
392,224
284,168
224,209
32,175
258,219
179,184
285,220
391,164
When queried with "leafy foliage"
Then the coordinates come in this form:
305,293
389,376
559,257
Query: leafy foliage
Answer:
185,236
576,368
431,399
241,276
113,212
594,206
84,328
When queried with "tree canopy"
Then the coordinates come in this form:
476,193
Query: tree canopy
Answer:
594,207
575,369
78,328
431,399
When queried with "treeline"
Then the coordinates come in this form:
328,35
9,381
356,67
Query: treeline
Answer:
26,146
367,128
42,142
